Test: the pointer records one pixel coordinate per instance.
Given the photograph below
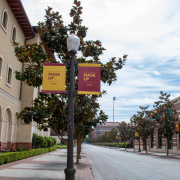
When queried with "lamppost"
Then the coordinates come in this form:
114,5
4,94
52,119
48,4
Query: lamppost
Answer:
118,140
101,135
73,46
98,130
114,98
139,144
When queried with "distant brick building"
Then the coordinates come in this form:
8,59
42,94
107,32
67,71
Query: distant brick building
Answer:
157,143
101,129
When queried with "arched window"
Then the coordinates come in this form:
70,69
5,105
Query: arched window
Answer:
6,126
15,127
13,38
1,65
9,76
5,20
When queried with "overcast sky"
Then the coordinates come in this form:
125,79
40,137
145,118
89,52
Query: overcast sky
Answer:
147,30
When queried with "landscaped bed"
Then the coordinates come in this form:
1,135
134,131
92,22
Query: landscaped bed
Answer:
15,156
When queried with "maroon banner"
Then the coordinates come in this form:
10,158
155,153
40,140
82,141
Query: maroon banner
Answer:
89,79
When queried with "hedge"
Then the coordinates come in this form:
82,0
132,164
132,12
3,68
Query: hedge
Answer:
61,146
121,145
15,156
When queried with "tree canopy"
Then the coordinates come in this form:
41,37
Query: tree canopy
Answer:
51,110
163,115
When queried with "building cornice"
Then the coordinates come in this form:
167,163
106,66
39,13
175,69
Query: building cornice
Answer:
9,97
21,17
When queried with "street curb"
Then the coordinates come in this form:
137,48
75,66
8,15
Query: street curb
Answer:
164,156
88,167
158,155
89,171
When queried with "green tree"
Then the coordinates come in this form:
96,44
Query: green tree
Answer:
163,114
143,124
105,137
125,131
51,110
112,135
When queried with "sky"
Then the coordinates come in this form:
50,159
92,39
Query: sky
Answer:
147,30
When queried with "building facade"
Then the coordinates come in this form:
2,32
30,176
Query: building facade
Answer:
101,129
14,94
157,143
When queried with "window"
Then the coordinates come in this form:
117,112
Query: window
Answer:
9,76
152,140
170,143
159,141
1,65
5,20
13,38
38,91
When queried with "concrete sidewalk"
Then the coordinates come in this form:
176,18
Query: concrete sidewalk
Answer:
49,166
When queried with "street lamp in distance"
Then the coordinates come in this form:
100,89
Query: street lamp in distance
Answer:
118,140
73,43
114,98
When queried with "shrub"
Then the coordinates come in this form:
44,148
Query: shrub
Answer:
54,140
42,142
121,145
14,156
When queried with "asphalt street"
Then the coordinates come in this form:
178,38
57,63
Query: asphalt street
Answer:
109,164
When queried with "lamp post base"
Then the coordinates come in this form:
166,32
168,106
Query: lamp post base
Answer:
69,173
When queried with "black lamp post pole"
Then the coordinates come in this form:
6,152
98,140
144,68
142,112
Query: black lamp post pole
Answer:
139,144
70,170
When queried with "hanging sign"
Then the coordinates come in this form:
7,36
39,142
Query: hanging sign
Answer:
177,126
117,137
54,75
89,79
136,134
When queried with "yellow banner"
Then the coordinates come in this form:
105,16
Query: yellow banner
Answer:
136,134
117,137
54,75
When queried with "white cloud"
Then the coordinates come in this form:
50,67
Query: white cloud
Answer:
156,73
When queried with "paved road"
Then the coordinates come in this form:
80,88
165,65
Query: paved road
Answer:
109,164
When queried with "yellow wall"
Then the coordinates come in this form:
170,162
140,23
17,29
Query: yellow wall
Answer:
11,128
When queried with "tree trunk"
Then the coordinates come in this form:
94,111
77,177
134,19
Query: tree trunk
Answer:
79,147
62,139
146,145
125,145
167,145
80,141
77,154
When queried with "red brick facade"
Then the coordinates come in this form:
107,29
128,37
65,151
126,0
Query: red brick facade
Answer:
101,129
159,143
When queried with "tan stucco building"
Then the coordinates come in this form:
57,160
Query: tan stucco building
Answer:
15,95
